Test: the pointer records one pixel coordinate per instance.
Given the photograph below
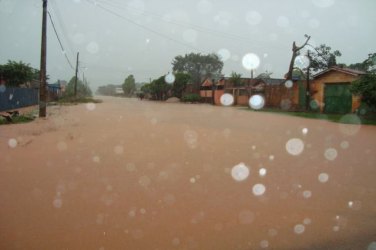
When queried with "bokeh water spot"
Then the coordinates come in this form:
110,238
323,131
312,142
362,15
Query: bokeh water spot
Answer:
299,228
307,194
264,244
169,78
258,189
262,172
240,172
289,84
12,143
345,145
302,62
323,177
295,146
90,106
224,54
307,221
250,61
331,154
350,124
227,99
256,102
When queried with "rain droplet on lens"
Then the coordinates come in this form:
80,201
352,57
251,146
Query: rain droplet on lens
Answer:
227,99
258,189
240,172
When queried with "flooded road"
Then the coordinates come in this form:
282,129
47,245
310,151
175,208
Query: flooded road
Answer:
130,174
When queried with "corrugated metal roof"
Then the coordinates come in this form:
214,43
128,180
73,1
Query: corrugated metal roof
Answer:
353,72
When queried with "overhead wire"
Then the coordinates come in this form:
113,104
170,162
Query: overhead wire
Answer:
58,38
143,26
199,28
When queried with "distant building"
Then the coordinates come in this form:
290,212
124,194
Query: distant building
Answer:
119,91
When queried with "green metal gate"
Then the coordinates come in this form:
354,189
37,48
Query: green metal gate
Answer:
337,98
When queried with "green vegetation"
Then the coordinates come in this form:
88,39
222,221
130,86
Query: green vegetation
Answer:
191,98
17,73
236,79
17,119
181,81
74,100
129,86
198,66
365,87
83,89
338,118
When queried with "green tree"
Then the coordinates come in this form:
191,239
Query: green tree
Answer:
181,81
129,85
17,73
198,66
365,87
83,90
323,58
236,79
160,89
367,65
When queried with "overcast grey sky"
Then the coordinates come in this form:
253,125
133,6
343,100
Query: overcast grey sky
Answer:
116,38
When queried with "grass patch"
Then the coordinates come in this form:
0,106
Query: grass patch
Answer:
77,100
17,119
369,119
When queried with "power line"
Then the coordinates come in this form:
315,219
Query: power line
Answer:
58,38
202,29
183,24
142,26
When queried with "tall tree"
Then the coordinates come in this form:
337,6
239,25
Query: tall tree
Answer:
17,73
181,81
365,87
198,66
83,90
129,85
295,53
323,58
159,88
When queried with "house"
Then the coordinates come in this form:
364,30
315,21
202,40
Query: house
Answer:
269,87
56,90
330,89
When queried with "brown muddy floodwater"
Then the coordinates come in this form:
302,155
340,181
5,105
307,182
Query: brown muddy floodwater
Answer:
130,174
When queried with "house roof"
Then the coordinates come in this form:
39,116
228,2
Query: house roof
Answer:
342,70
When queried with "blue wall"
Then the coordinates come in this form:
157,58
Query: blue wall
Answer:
13,98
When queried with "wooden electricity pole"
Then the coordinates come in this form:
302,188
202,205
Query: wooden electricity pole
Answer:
42,72
308,90
75,80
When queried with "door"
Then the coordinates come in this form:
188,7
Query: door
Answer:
337,98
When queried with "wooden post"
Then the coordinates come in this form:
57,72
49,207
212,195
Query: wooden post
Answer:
42,72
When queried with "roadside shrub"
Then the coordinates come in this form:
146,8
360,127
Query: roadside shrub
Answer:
191,98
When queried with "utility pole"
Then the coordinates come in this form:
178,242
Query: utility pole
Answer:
308,94
43,61
75,80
